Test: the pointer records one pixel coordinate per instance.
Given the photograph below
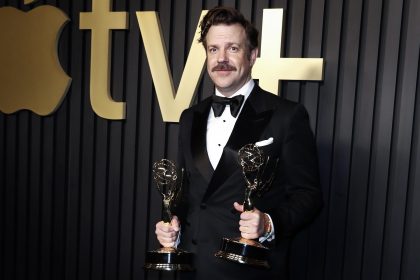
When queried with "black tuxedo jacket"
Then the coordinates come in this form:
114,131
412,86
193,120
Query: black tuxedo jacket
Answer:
206,209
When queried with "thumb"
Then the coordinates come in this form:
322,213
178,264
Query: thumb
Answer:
238,207
175,223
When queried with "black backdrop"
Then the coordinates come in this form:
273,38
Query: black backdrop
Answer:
76,199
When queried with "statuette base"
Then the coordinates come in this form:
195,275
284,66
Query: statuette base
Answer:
169,259
244,251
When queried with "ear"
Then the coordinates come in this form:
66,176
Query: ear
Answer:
253,56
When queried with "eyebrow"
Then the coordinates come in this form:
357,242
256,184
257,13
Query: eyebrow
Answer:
229,44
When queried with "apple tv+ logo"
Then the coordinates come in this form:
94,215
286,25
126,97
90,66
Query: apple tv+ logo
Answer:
31,76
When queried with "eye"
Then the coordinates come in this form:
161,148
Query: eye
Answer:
212,50
234,49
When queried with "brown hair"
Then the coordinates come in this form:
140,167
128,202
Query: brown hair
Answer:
228,16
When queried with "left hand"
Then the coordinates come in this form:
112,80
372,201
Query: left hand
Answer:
251,224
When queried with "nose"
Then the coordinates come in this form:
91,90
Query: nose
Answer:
222,56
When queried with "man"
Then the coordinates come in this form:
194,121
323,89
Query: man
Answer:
209,140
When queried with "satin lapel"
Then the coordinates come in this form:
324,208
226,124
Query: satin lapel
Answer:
248,129
198,142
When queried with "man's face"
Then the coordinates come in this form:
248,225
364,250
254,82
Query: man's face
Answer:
228,61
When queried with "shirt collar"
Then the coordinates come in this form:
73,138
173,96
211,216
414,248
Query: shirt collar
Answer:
245,90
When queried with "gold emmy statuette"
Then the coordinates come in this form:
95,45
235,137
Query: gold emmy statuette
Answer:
254,168
168,258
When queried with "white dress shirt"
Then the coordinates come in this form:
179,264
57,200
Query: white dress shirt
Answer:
220,128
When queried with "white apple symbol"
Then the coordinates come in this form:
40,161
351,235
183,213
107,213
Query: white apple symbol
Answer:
31,76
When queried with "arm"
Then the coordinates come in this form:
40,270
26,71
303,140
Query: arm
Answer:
301,198
294,198
168,234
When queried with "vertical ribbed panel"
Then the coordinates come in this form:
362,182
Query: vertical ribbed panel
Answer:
76,196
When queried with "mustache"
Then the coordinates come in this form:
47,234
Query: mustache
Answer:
223,67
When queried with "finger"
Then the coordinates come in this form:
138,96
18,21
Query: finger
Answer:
175,223
166,239
164,227
245,216
238,207
160,226
167,243
172,234
250,216
164,234
249,235
248,228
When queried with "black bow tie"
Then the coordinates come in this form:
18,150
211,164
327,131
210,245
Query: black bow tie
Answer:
219,104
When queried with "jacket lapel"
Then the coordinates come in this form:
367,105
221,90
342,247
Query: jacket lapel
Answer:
198,141
248,129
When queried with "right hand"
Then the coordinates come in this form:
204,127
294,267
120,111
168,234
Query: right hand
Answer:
166,233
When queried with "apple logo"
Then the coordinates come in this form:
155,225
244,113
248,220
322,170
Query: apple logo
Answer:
31,76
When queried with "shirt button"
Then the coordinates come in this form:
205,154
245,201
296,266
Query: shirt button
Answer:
218,145
203,206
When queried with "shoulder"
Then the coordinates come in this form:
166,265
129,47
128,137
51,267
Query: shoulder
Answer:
278,104
201,108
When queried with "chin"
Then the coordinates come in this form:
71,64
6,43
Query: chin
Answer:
223,82
223,88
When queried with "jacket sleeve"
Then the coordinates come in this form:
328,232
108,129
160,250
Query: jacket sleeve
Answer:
180,207
297,182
